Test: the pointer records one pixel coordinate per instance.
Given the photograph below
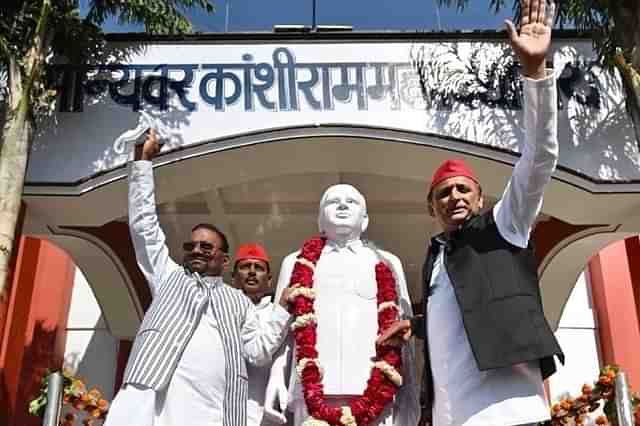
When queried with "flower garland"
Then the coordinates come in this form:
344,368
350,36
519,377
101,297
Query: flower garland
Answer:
576,410
75,395
385,376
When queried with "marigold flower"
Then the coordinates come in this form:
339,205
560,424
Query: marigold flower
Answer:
605,380
95,394
103,404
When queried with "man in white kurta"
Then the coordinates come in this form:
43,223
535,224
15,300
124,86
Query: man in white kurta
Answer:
258,376
346,311
464,395
194,392
252,274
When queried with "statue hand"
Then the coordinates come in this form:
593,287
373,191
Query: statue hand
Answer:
284,297
532,44
275,410
396,335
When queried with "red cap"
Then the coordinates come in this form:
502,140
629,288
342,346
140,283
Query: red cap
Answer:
452,168
251,251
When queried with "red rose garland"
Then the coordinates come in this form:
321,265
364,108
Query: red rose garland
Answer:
385,376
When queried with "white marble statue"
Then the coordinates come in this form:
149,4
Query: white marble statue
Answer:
346,310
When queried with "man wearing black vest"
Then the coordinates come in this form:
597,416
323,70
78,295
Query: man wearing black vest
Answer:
488,346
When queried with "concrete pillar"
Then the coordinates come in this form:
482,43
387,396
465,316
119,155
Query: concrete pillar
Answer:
34,325
616,307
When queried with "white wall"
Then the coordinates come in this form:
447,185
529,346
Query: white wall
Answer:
578,337
95,140
91,351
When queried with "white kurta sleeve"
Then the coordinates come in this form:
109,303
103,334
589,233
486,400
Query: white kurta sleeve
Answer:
521,202
261,338
286,268
407,406
149,242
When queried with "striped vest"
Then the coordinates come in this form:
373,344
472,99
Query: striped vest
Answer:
168,325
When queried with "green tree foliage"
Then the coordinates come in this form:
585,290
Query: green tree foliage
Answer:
33,35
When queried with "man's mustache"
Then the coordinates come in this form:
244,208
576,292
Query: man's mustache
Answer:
190,257
203,257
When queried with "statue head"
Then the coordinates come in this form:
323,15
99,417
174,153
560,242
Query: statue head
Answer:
343,213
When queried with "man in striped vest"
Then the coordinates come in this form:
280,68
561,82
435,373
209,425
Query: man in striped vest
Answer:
188,361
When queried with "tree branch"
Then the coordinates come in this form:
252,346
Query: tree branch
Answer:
14,80
36,55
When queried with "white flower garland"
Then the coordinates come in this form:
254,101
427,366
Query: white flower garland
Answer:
303,363
347,418
311,421
309,293
387,305
303,321
389,371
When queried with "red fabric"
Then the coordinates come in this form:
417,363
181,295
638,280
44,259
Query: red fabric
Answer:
251,251
452,168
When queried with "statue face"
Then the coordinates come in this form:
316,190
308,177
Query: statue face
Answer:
343,213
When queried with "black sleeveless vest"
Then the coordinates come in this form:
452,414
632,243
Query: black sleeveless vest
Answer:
496,285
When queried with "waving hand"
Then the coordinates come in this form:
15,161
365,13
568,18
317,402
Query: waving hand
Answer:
531,44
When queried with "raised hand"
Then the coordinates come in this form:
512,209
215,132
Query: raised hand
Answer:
532,43
150,148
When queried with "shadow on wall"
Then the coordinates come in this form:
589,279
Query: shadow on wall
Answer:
474,92
107,90
97,364
39,356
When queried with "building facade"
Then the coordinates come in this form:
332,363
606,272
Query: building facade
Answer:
256,126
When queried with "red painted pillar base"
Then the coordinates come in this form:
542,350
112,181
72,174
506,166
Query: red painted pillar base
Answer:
34,326
612,284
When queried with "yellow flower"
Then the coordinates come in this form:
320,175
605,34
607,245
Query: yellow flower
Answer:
347,418
77,387
314,422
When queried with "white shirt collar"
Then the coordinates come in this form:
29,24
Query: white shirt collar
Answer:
212,281
264,302
353,245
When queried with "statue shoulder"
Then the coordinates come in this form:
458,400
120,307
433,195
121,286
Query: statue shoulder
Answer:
390,257
393,261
